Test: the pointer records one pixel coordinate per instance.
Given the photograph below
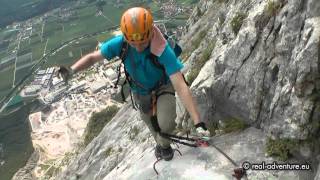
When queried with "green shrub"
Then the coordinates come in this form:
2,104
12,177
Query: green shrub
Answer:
212,127
283,149
200,62
108,151
273,7
222,1
233,124
192,75
199,13
280,148
134,132
196,42
97,122
237,21
53,167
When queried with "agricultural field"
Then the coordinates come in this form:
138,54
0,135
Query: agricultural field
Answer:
34,28
20,10
72,20
6,79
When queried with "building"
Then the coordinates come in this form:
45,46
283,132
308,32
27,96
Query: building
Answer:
78,88
111,74
41,72
42,80
97,86
30,92
56,83
55,95
46,79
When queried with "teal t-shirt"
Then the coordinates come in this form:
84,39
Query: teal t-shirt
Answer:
140,67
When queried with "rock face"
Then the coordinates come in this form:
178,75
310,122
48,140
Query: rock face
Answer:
318,174
268,73
120,152
112,145
25,173
263,68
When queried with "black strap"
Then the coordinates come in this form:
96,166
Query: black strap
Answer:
128,79
154,119
155,124
180,142
132,101
154,59
122,56
163,93
119,75
176,137
184,78
122,91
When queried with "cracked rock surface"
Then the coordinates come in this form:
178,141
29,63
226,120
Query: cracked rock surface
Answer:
266,74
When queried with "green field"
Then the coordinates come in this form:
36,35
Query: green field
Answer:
63,25
58,27
3,54
6,78
71,53
82,19
21,74
7,34
20,10
187,2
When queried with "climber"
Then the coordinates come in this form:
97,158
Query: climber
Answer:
153,86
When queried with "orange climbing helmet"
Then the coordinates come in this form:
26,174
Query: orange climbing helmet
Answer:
136,25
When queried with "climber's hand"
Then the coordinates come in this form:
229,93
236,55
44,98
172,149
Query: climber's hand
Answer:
65,73
202,130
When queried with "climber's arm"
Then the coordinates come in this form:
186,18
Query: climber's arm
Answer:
87,60
185,95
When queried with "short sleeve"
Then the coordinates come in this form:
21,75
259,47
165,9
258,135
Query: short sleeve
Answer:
171,63
111,48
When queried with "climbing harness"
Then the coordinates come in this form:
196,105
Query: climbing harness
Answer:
124,52
195,142
188,141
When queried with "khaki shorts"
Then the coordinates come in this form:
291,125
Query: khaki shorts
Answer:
166,112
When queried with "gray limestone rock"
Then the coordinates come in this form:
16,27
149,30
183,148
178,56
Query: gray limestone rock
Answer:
317,177
266,75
